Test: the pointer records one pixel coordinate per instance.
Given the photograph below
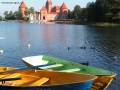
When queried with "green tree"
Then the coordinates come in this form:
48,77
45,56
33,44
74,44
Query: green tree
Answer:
0,18
104,10
100,9
16,14
70,14
6,13
90,11
11,13
115,10
77,12
26,12
31,10
84,14
10,16
19,15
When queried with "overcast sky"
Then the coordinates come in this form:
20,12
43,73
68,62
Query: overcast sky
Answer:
37,4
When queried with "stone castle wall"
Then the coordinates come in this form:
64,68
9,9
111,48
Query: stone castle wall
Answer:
52,17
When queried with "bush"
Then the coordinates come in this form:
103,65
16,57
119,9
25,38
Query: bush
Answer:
0,18
26,18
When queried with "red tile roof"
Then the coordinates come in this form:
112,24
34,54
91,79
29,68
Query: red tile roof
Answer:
43,8
22,5
64,6
57,7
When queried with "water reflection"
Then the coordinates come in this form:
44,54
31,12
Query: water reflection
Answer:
23,34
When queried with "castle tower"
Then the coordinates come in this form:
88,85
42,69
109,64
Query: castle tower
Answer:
64,7
22,7
43,13
64,11
49,5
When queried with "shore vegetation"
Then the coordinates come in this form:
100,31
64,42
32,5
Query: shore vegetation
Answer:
17,15
1,18
101,12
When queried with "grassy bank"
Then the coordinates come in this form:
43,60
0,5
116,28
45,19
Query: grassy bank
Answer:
16,21
104,24
100,24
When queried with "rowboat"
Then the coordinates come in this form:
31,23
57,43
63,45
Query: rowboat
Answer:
32,79
104,77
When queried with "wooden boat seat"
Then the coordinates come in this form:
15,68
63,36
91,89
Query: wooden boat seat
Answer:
40,81
13,75
9,76
2,76
51,66
71,70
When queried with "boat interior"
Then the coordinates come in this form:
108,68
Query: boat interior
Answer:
40,77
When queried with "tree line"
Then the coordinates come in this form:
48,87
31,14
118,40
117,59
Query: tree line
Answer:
17,15
98,11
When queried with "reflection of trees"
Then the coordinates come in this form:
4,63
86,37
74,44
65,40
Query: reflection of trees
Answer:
107,40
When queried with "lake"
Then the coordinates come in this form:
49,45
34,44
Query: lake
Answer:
102,44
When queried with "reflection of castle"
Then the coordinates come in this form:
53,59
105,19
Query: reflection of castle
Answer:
48,12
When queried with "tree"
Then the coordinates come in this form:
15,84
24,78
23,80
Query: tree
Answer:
100,9
84,14
10,13
77,12
10,16
19,15
16,14
0,18
6,13
70,14
90,11
104,10
26,12
31,10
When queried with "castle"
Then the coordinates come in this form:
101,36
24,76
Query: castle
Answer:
48,12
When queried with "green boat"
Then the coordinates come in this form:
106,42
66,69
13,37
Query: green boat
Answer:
104,79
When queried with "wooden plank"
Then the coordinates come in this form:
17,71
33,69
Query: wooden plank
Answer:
51,66
13,75
71,70
31,67
40,81
3,75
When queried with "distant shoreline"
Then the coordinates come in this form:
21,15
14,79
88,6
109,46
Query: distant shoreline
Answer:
99,24
15,21
104,24
75,22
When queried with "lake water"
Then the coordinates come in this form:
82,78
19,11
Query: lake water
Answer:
101,44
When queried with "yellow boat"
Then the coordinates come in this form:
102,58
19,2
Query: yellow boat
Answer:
32,79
